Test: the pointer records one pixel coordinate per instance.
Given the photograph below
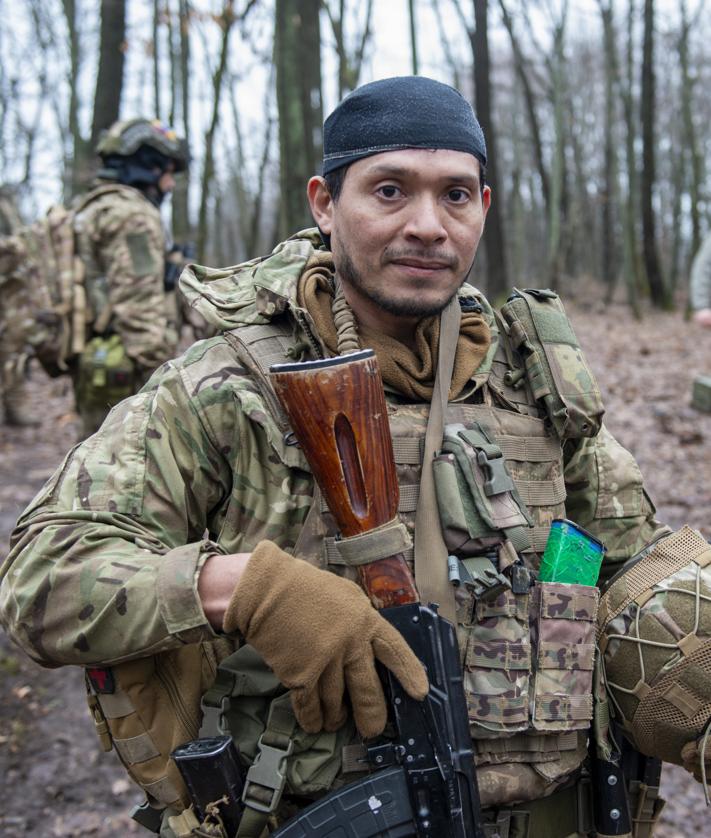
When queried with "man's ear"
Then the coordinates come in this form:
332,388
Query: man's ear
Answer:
486,199
321,203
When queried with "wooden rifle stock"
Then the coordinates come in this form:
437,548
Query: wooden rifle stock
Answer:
337,411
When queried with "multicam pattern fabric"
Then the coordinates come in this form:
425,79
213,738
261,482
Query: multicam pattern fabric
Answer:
120,241
196,464
655,627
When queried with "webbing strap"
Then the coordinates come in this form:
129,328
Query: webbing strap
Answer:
266,777
389,539
542,493
546,449
409,494
431,574
332,554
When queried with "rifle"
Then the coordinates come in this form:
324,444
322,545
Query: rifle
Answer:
428,785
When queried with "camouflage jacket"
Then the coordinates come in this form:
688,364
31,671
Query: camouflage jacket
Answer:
121,243
104,562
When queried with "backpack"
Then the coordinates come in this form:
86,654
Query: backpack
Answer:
42,278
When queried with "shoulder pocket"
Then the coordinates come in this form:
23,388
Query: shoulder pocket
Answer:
557,371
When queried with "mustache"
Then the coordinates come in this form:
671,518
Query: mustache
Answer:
431,254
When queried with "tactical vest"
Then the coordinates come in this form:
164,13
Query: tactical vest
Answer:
527,652
527,657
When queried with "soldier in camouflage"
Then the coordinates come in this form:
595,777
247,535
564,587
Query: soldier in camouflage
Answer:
14,357
190,522
121,243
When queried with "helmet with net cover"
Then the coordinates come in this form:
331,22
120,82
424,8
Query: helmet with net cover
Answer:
655,640
126,137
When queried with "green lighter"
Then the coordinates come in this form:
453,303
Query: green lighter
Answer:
572,555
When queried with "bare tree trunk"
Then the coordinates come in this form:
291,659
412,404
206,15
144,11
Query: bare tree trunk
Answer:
658,291
413,37
109,79
349,66
555,252
690,141
523,73
156,58
610,194
76,174
226,21
497,274
298,44
181,221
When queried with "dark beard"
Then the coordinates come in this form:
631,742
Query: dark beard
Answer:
412,308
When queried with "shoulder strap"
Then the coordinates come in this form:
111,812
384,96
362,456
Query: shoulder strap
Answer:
258,347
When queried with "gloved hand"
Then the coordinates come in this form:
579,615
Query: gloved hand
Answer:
691,758
321,636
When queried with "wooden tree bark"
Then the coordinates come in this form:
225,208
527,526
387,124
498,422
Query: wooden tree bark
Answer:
555,215
76,174
413,37
610,192
181,60
658,291
497,280
109,79
691,142
523,73
226,21
156,59
349,65
298,45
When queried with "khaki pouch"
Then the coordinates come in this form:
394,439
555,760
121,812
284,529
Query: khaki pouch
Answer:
530,658
564,637
476,496
556,369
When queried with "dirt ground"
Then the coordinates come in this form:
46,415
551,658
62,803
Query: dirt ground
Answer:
55,779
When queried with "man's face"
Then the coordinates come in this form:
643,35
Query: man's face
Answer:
404,229
166,182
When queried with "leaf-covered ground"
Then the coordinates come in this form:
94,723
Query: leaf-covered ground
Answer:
56,781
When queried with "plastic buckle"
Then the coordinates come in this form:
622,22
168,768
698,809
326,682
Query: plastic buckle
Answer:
499,480
268,771
213,716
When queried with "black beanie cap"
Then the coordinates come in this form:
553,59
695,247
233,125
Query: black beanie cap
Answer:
397,113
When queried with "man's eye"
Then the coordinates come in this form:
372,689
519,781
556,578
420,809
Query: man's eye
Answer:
388,191
458,196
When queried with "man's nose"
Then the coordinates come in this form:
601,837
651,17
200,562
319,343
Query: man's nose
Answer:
425,221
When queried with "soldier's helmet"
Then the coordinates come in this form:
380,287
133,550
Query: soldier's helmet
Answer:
654,634
127,138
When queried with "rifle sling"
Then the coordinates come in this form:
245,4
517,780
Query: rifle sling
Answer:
430,550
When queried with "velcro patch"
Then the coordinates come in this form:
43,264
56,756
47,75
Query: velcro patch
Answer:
102,680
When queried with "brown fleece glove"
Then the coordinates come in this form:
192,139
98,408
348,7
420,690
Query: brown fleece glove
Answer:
691,759
321,636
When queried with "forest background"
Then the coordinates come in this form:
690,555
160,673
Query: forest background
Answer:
594,111
595,114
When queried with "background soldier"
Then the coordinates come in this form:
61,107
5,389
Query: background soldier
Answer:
14,356
189,523
131,318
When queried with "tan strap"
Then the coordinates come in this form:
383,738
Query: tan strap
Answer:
431,574
384,541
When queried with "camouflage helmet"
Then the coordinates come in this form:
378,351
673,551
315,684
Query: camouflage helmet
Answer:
124,138
654,635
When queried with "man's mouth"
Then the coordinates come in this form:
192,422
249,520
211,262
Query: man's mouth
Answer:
422,265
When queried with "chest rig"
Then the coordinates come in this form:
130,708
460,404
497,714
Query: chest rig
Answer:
527,649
